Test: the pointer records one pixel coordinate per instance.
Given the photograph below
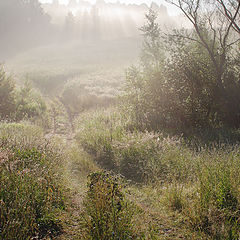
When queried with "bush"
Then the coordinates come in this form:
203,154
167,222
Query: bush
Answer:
29,104
108,214
30,188
7,95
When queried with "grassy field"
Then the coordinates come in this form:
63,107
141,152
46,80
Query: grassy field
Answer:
186,192
107,179
98,64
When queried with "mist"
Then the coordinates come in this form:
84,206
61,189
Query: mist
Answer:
53,44
28,25
119,120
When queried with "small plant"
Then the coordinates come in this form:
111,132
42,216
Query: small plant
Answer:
108,216
175,197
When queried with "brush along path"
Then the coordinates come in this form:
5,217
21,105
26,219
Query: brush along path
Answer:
165,222
78,166
153,217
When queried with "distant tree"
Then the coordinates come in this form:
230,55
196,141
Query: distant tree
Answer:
29,104
152,52
55,3
69,25
72,3
96,20
20,21
7,95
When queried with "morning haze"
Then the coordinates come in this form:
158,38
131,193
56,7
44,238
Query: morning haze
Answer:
119,120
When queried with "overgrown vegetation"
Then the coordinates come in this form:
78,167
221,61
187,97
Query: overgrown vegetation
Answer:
202,184
31,193
174,138
188,78
19,104
108,214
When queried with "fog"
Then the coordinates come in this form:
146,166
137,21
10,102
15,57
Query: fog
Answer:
119,120
53,43
26,25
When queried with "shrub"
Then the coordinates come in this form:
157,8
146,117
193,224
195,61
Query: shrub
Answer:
7,95
29,104
30,187
107,214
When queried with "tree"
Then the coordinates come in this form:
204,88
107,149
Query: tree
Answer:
72,3
214,33
196,84
231,9
22,24
29,104
7,95
208,24
69,25
152,54
55,3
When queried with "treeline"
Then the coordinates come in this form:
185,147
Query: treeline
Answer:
27,24
85,21
23,24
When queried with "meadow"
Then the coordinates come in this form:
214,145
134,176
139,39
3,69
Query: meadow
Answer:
101,140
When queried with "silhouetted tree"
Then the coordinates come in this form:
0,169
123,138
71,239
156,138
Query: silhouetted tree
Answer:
72,3
69,25
22,24
231,9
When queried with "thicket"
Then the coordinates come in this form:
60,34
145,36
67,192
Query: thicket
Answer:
22,103
31,194
188,78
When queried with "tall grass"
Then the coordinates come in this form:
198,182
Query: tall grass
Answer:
108,215
30,188
202,183
139,156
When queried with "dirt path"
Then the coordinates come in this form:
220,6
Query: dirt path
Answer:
167,224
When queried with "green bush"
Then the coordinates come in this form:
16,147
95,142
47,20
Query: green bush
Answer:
7,95
29,104
108,215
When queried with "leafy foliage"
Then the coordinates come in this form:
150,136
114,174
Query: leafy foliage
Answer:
183,89
29,104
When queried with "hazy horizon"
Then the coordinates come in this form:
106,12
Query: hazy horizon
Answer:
171,9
